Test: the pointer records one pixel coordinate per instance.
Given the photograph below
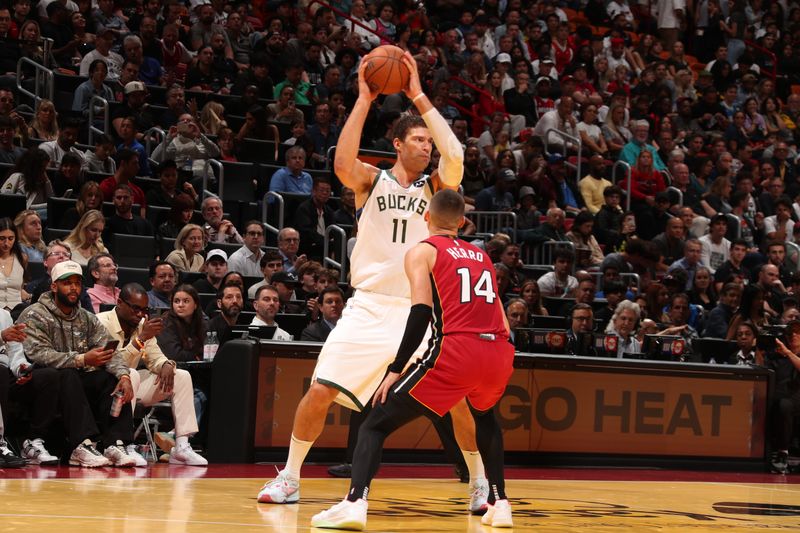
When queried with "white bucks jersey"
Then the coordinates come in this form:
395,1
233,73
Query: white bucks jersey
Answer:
390,224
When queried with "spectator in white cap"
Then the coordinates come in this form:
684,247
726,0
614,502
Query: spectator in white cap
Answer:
216,266
502,64
94,86
134,105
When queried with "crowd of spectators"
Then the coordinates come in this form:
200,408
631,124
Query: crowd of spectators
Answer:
656,141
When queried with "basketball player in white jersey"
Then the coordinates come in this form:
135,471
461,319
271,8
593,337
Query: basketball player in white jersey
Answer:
358,351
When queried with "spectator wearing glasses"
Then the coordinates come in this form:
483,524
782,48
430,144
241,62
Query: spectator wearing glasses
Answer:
103,270
288,244
247,259
581,321
129,323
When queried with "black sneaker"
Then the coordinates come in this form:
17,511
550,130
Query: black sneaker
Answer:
342,470
780,463
9,459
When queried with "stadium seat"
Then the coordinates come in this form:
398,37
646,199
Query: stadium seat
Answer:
133,275
56,208
136,251
11,204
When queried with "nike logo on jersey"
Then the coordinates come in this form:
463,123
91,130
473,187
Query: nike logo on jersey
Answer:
401,202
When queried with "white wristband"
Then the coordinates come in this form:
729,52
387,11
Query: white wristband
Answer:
420,95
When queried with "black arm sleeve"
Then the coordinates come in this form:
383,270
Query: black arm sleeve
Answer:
418,320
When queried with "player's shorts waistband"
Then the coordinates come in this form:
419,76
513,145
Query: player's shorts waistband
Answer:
490,337
382,299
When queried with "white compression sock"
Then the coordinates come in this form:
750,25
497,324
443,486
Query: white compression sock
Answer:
298,449
182,441
474,465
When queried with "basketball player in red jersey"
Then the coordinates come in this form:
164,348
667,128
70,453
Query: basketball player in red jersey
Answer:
453,285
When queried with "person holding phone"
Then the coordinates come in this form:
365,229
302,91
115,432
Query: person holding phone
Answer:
131,325
62,335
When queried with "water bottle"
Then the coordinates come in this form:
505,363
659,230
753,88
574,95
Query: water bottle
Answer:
211,345
116,405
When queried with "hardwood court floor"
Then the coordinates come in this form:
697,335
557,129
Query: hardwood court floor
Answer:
222,499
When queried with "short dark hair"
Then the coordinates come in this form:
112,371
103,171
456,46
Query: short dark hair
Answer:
152,270
65,121
269,255
611,190
405,124
738,242
614,287
102,140
330,290
132,289
447,206
265,287
126,154
165,164
564,253
221,290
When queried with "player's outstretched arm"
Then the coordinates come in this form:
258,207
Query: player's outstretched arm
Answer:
352,172
418,264
451,162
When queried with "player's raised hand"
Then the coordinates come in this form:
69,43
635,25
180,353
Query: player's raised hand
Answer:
364,90
383,391
414,87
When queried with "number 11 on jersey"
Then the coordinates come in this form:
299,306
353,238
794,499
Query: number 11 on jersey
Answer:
403,226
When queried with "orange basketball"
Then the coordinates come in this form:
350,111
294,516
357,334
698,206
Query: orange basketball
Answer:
385,71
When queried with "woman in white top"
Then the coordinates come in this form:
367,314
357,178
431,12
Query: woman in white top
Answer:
86,239
189,244
614,130
12,267
591,136
29,177
623,325
29,235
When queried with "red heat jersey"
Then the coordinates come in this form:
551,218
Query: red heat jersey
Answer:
464,289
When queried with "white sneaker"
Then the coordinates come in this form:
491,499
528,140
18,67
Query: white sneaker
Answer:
282,489
478,494
343,515
36,454
117,456
132,452
86,455
185,455
498,515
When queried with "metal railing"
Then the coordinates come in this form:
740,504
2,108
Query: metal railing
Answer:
627,168
265,212
771,73
566,138
43,81
326,258
631,277
101,103
148,139
738,223
213,163
793,255
491,222
543,253
679,193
